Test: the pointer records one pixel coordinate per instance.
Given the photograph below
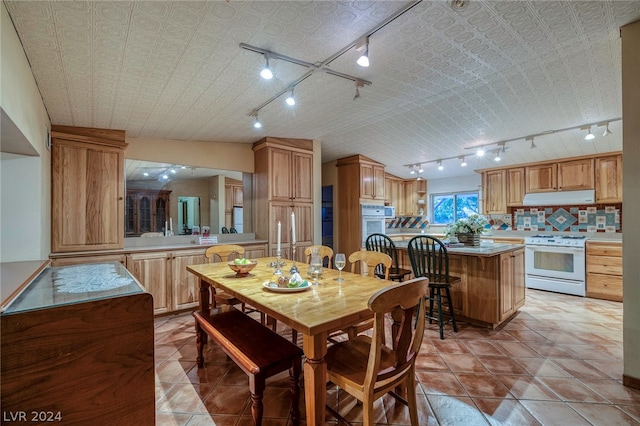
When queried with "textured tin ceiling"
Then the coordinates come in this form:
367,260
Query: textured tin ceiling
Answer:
443,81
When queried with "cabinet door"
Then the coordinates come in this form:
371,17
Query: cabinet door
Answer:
378,182
302,177
541,178
280,174
87,199
145,214
153,271
413,198
185,285
494,186
238,199
254,251
575,175
609,179
280,212
519,289
515,186
131,215
366,181
506,286
304,223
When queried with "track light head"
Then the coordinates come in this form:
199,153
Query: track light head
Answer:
440,166
480,152
363,60
413,171
607,132
463,163
530,139
420,169
589,135
256,123
291,100
497,158
266,72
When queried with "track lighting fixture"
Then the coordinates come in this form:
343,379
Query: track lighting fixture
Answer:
440,166
497,158
530,139
480,152
266,72
359,84
291,100
413,171
420,169
607,132
145,174
256,124
363,60
589,135
463,163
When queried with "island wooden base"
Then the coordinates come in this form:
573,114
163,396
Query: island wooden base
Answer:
85,363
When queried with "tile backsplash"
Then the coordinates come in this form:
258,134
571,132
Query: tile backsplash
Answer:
591,218
408,222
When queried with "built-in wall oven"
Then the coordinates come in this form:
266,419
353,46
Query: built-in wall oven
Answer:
556,263
373,221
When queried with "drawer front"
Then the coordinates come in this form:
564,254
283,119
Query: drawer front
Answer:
604,249
604,265
604,287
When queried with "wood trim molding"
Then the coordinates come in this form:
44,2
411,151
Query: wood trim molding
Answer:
107,137
632,382
357,159
305,145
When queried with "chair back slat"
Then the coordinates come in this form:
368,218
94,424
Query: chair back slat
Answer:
324,252
223,252
429,258
383,244
369,261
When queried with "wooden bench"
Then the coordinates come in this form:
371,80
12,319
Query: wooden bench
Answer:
257,350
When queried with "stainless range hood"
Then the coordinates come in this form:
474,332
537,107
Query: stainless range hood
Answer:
558,198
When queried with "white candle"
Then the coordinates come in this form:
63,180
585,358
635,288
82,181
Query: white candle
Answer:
293,227
279,233
166,229
171,224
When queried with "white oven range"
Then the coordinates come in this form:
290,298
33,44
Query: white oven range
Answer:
556,263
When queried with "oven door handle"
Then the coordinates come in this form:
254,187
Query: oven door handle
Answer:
558,280
556,249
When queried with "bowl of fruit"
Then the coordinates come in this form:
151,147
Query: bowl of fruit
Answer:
242,266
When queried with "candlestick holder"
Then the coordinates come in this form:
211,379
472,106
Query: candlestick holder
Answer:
277,271
294,268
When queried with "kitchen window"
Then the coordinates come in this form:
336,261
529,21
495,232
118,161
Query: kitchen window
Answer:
449,207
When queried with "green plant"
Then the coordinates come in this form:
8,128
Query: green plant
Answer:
473,224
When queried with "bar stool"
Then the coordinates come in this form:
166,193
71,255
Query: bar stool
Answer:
384,244
429,258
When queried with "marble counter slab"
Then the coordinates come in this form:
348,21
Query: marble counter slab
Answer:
485,249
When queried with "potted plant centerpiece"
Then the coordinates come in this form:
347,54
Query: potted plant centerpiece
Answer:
468,229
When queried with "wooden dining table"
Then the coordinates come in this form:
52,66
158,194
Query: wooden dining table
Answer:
314,312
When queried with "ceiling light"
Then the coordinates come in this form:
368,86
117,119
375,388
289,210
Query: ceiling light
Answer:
291,101
607,132
257,124
440,166
183,167
363,60
420,169
463,163
165,177
146,173
533,145
459,5
589,135
497,156
480,152
413,171
358,85
173,171
266,71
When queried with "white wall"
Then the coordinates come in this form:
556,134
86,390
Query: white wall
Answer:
631,191
25,194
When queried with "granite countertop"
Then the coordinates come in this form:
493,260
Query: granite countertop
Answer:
485,249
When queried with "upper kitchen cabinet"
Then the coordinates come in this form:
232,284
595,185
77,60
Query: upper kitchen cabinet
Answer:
283,183
575,175
515,186
87,189
368,174
145,211
494,189
392,190
608,179
541,178
289,169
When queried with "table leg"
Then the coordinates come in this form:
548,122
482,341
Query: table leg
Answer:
315,377
204,299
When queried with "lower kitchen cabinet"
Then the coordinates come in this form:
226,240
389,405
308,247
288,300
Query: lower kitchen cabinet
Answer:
153,270
184,285
512,283
604,270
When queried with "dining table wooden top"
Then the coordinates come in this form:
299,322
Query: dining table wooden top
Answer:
314,312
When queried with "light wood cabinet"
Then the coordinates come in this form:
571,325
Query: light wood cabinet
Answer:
145,211
284,172
608,176
512,283
575,175
604,270
185,286
515,190
233,197
372,181
541,178
416,196
87,189
153,270
394,192
494,188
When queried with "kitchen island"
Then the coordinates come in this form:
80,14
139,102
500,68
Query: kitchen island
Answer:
492,286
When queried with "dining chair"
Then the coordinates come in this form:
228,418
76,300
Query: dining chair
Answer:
225,230
225,253
324,252
366,368
368,261
233,230
384,244
429,258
